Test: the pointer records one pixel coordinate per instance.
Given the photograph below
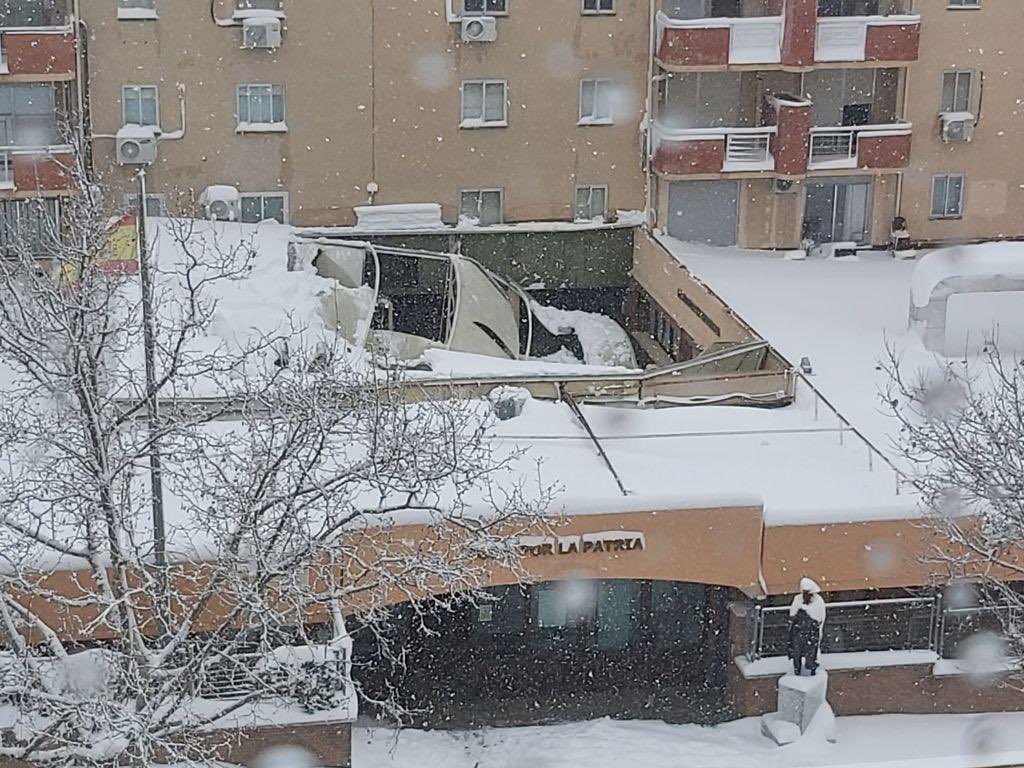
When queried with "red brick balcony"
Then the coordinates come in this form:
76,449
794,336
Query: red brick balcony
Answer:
44,53
868,38
35,170
702,151
795,37
867,147
719,41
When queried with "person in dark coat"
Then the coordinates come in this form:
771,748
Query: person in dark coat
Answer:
806,623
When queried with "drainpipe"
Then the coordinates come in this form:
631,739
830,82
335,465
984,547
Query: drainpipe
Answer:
80,33
649,115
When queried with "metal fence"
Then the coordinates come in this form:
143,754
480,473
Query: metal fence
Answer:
897,624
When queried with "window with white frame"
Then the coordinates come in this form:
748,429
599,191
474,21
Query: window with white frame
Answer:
591,202
948,196
593,7
156,204
485,206
484,7
260,206
484,103
596,101
963,3
260,105
136,9
957,85
140,105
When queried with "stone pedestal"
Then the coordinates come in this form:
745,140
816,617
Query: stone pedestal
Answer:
800,699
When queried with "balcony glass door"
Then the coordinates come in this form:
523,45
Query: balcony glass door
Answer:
837,210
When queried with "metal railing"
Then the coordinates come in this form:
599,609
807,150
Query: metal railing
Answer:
896,624
834,146
747,148
239,674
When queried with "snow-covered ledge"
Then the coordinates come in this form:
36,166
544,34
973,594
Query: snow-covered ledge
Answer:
773,666
986,668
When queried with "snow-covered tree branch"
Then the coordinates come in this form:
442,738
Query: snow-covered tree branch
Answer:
300,485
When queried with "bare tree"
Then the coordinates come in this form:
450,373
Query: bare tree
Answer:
962,439
288,476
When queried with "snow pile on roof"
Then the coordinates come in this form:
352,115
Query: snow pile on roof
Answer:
998,261
383,218
604,341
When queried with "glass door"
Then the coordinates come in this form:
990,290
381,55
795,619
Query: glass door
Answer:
837,210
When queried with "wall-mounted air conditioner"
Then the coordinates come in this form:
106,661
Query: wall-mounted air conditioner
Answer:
221,202
261,32
136,145
479,29
957,126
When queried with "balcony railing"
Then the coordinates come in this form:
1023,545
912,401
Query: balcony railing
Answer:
747,149
712,150
839,148
867,38
6,170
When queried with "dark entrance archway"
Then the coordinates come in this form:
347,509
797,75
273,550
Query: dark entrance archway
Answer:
560,651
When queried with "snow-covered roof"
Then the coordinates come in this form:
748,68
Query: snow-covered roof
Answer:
842,313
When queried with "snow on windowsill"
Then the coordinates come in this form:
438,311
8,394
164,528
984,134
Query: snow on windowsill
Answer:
474,123
772,666
137,14
596,121
257,13
7,186
262,128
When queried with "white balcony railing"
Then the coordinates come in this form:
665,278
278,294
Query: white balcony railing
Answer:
747,150
839,147
6,170
844,38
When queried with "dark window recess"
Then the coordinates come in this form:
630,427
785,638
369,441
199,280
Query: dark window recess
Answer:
857,114
700,313
485,6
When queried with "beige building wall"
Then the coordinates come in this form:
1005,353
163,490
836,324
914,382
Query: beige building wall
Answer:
988,39
372,94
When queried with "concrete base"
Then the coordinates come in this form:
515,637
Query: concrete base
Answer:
799,700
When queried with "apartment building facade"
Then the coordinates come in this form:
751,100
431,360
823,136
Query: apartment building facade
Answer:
39,86
536,116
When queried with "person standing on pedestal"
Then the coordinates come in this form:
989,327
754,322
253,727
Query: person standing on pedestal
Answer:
806,621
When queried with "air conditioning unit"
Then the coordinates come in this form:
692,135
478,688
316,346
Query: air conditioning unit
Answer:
957,127
784,186
479,29
136,145
261,32
221,202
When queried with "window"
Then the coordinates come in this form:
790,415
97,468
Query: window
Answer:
136,9
156,204
482,205
32,13
484,103
598,6
140,105
591,203
261,105
484,7
261,206
948,196
27,115
595,102
963,3
956,90
30,225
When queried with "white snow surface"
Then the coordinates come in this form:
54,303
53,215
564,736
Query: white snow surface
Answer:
880,741
604,341
997,259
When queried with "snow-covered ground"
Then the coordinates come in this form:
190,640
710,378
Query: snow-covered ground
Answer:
882,741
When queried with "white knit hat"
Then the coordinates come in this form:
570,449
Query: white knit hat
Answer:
809,585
